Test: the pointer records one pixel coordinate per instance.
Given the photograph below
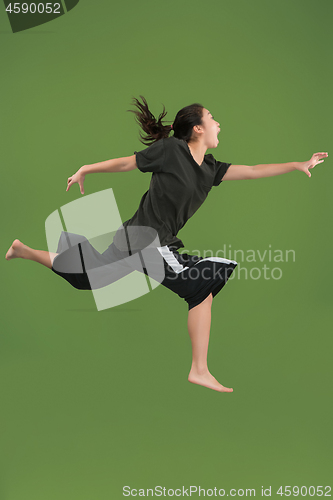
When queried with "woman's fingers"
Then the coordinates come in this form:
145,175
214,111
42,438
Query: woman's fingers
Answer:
321,154
318,158
69,183
79,178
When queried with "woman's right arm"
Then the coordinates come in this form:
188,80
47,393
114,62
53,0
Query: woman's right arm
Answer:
117,165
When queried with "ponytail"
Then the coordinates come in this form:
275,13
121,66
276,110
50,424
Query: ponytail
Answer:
182,126
154,129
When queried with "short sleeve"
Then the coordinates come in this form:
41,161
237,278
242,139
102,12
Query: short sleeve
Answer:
151,159
220,168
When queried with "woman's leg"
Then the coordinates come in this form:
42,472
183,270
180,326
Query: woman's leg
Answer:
199,320
20,251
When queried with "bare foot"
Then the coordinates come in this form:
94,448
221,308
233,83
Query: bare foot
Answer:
15,251
207,380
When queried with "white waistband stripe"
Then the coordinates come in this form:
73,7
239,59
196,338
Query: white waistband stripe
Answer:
218,259
171,259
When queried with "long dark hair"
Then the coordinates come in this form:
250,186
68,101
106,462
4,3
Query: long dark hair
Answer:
182,126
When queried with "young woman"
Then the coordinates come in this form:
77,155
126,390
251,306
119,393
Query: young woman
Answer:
182,176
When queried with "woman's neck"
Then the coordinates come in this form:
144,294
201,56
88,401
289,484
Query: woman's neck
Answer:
198,151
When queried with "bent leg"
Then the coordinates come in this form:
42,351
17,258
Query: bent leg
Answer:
199,321
20,251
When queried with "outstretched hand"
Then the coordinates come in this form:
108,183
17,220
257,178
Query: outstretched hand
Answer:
316,158
77,177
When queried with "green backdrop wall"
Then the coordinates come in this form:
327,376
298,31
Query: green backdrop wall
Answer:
95,401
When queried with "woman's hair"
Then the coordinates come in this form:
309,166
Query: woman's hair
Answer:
182,126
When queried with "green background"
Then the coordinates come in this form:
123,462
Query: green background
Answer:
93,401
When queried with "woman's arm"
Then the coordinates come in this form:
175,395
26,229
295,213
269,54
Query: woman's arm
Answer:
239,172
117,165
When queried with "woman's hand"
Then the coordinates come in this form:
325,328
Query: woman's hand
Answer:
77,177
316,158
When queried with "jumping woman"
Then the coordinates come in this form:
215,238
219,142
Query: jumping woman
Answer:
182,176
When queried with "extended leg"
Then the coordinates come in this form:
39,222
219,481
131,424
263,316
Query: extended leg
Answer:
19,250
199,320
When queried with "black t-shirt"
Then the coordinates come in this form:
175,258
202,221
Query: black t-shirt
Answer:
178,187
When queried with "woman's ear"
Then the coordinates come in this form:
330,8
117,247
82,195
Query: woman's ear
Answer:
198,129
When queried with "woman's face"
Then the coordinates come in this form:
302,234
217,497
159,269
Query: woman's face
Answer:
211,129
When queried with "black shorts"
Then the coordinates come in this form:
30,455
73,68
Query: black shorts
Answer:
193,278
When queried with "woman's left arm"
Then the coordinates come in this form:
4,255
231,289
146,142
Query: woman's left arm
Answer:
239,172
